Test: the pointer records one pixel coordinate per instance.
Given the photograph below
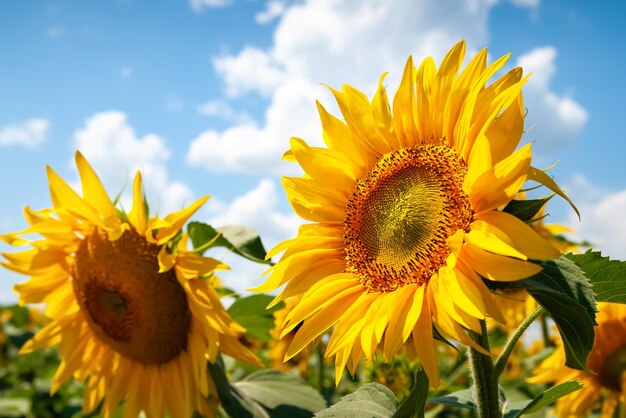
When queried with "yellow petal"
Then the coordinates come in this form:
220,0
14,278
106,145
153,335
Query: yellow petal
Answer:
173,223
138,215
93,191
497,267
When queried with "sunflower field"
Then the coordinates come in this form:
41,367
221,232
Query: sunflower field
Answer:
425,280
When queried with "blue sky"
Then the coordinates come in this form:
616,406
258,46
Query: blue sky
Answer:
203,96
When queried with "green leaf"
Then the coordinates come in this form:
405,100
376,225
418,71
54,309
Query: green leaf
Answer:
607,276
15,407
564,291
241,240
459,399
266,394
413,405
372,401
283,395
251,313
232,400
526,210
517,409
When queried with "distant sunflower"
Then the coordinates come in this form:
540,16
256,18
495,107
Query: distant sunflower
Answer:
606,377
404,205
278,347
133,312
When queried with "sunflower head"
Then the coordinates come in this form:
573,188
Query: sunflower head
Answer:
605,379
132,310
404,204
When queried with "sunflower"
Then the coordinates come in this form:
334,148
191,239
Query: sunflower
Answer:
606,377
133,313
278,346
404,210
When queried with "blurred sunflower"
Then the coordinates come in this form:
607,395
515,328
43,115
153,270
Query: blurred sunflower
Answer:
278,346
606,377
133,313
404,210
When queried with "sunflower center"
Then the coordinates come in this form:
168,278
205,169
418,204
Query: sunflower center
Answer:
614,368
399,217
140,313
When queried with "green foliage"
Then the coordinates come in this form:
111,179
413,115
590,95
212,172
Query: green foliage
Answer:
266,394
564,291
526,210
251,313
372,400
607,276
413,405
517,409
459,399
241,240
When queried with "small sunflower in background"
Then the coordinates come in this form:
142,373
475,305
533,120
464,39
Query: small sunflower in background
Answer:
606,378
133,313
404,205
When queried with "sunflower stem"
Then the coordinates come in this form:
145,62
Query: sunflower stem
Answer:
485,383
498,368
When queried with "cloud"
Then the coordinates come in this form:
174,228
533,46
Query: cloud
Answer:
259,209
273,9
222,110
602,216
111,145
252,70
556,120
29,133
332,42
198,6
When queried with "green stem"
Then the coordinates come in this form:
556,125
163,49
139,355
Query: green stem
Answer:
510,344
485,384
320,359
545,332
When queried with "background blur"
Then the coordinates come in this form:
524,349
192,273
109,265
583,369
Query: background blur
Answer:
203,96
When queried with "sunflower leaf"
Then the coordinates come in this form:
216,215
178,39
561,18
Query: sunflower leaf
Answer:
526,210
607,276
413,405
566,294
241,240
519,408
282,395
459,399
372,400
251,313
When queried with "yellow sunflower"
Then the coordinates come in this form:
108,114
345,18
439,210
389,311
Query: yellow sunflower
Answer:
133,313
606,377
404,210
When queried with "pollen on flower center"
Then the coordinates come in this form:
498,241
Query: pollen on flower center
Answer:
139,312
399,217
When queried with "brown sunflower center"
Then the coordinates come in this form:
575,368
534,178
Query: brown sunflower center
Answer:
613,369
140,313
399,217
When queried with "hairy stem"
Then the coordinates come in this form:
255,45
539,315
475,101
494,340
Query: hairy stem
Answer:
485,382
498,368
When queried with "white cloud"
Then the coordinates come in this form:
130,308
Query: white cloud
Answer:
334,42
111,145
557,119
273,9
222,110
199,5
259,209
603,223
126,72
29,133
250,70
